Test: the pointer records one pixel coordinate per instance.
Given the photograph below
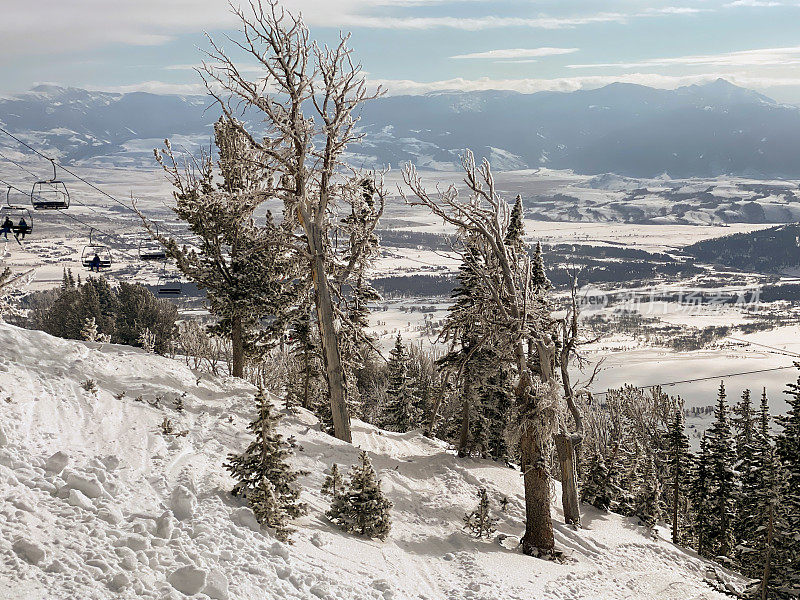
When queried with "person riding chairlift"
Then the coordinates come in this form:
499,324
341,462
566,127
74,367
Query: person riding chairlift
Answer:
95,264
8,226
22,228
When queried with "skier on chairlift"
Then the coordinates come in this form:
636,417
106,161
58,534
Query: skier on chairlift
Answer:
95,264
7,227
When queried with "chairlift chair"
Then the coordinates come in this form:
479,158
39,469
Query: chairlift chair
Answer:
150,249
168,288
50,194
100,250
17,215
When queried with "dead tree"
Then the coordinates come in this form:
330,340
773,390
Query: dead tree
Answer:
307,96
513,320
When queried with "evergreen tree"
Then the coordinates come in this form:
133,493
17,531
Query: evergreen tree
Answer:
597,488
539,280
722,481
333,483
480,521
787,527
751,456
699,496
516,226
678,465
89,331
263,475
361,507
400,412
648,498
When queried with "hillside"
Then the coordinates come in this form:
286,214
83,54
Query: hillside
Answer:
98,503
694,131
765,251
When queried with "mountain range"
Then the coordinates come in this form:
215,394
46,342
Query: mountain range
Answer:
694,131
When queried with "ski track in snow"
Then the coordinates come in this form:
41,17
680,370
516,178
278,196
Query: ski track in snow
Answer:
98,503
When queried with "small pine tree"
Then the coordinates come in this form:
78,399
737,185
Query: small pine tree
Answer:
480,521
361,507
722,480
678,462
597,488
539,280
787,521
333,483
400,412
648,498
262,474
698,495
89,331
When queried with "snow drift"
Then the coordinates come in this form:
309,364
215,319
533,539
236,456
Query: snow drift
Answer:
99,503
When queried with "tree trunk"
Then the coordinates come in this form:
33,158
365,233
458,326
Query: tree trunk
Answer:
237,343
569,479
538,539
330,344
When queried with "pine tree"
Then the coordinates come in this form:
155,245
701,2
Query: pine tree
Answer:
333,483
516,225
539,280
699,497
480,521
263,475
361,507
597,488
722,481
89,331
678,464
750,465
787,528
648,498
400,413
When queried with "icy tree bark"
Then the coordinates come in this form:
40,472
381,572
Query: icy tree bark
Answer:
237,347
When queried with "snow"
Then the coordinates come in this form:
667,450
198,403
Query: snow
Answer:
99,503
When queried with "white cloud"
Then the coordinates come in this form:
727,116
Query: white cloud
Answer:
753,3
765,57
517,53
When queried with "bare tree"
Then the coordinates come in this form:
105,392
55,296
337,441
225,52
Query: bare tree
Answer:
308,96
517,326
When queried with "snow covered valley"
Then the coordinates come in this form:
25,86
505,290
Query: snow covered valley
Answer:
97,502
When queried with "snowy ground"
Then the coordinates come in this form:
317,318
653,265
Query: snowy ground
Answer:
98,503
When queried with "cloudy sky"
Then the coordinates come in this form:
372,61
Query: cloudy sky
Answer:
416,46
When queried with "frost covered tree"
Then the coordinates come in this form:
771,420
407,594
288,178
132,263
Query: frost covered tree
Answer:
597,488
786,567
307,97
89,331
516,324
722,481
480,521
333,483
361,507
678,464
263,475
699,497
648,498
244,267
400,412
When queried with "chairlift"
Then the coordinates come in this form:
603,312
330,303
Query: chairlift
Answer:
20,217
50,194
101,251
168,288
150,249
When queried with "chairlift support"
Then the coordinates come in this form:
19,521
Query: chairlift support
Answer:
17,214
50,194
150,249
100,250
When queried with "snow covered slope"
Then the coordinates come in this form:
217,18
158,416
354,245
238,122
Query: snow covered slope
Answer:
98,503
